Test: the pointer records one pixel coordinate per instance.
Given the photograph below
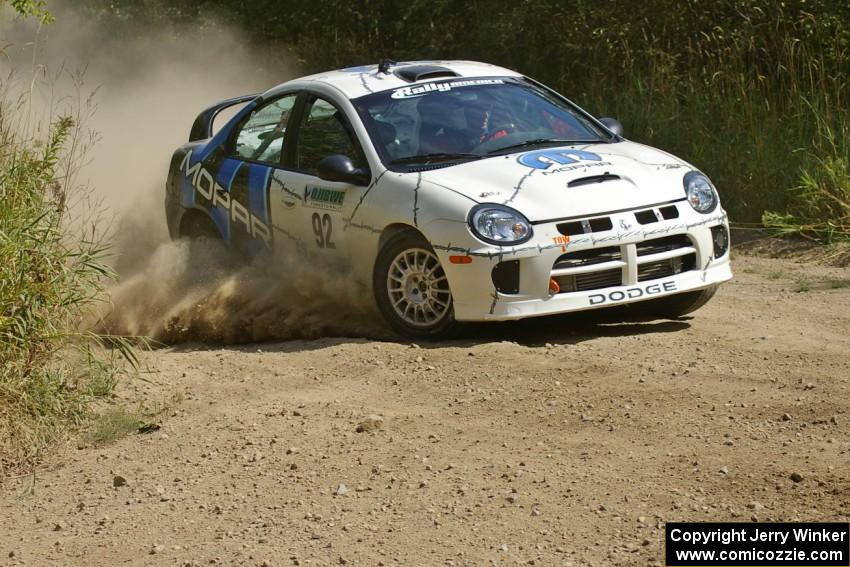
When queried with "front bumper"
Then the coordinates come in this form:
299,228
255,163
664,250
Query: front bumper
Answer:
589,263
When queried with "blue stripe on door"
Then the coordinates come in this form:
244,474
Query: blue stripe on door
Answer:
258,190
258,184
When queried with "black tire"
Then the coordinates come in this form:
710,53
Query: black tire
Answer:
209,253
674,306
199,227
428,289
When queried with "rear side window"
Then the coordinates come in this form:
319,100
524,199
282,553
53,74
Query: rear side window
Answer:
261,136
324,132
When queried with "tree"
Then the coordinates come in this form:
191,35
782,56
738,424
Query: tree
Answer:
32,8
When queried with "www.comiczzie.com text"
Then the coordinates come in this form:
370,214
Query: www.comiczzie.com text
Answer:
740,544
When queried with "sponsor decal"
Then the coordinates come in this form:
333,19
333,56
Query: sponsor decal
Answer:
561,240
632,293
205,186
579,166
421,90
544,159
322,198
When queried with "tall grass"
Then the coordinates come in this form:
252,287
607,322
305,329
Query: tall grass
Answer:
766,116
52,272
819,206
753,92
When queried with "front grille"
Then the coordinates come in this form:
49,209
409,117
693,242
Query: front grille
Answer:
669,212
598,224
650,216
603,224
604,277
646,217
585,278
664,244
666,268
597,280
588,257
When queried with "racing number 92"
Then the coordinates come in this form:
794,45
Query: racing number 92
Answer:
323,228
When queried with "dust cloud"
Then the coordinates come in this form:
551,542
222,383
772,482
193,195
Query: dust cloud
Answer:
206,300
137,98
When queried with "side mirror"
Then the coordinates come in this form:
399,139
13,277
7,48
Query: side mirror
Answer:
612,124
341,168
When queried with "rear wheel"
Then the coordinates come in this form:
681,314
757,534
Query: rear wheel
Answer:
412,290
674,306
199,228
208,252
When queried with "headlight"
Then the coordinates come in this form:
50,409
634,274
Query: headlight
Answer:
498,224
701,193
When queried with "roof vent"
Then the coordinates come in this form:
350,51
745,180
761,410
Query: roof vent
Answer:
416,73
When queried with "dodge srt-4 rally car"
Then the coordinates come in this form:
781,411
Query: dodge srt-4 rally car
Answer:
455,191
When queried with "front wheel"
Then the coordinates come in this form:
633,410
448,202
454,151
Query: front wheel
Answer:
412,290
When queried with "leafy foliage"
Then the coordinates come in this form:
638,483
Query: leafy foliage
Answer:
739,87
34,8
821,203
49,278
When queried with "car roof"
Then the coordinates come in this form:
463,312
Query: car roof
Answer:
354,82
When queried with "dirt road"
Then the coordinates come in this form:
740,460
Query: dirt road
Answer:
566,441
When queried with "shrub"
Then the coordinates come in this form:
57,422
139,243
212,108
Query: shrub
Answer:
739,88
51,274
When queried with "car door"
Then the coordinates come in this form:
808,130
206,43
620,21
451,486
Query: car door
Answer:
245,168
323,130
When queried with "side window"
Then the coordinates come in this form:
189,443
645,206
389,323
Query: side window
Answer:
324,133
261,136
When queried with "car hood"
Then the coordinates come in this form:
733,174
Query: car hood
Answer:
569,181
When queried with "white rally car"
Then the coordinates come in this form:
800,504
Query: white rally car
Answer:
456,191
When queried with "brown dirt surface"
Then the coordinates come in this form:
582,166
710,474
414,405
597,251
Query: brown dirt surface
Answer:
564,441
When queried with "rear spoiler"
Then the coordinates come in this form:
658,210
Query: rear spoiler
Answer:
202,127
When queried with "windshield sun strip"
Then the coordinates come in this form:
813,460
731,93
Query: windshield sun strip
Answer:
587,120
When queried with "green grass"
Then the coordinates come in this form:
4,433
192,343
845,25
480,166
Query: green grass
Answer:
752,92
112,425
52,274
117,421
819,205
803,286
770,142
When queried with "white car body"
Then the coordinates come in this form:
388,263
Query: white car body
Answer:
639,200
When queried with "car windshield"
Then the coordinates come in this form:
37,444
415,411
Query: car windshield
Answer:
467,119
